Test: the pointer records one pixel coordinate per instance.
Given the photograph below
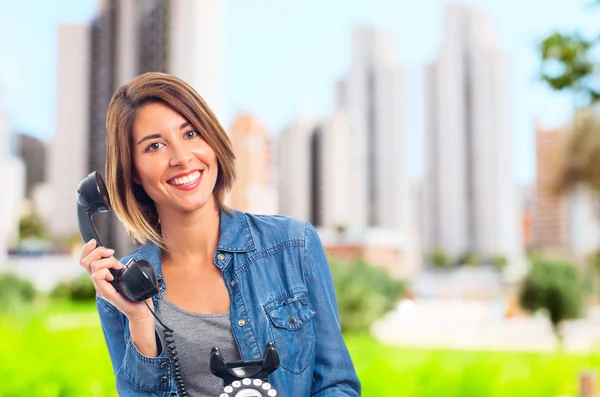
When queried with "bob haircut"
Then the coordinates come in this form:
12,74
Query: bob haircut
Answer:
134,208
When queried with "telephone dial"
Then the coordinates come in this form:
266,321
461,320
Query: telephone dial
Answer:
138,281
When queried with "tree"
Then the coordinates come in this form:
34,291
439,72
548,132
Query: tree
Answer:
570,63
555,288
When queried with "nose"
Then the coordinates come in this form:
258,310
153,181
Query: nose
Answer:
180,155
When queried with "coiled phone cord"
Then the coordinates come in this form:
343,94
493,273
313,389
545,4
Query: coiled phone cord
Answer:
172,352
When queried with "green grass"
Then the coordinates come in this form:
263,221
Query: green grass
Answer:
388,371
58,351
55,351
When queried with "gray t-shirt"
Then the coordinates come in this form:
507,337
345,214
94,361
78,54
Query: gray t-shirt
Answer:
195,334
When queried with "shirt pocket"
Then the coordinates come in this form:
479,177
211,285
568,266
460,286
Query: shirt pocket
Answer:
292,330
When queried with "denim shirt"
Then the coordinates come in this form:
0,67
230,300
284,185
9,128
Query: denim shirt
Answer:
281,291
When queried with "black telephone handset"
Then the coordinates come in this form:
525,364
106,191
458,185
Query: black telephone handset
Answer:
137,280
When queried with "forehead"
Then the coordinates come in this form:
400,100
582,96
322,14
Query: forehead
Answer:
156,118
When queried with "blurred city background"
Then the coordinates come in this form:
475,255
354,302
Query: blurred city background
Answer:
448,154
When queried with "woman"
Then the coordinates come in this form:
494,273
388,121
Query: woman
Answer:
227,278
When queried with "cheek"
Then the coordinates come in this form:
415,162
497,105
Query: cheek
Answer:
146,170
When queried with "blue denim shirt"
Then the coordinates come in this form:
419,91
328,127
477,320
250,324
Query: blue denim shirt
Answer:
274,268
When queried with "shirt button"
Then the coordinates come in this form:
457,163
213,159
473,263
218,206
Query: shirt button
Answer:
293,320
164,365
164,379
241,323
232,283
220,257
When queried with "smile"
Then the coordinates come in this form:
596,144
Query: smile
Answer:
187,180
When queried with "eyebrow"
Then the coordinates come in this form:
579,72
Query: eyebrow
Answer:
153,136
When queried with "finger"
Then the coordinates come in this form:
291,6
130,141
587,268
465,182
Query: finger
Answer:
104,289
102,276
96,254
106,263
87,248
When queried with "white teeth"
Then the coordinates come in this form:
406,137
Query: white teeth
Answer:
186,180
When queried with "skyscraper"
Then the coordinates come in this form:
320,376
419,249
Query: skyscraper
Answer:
550,210
471,195
294,165
347,172
254,188
372,96
68,150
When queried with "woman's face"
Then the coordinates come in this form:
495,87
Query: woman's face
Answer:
172,162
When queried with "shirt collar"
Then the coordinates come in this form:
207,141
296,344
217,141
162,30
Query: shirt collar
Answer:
234,236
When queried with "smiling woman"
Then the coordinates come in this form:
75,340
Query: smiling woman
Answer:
227,278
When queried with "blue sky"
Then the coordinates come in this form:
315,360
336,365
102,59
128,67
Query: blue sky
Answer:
282,56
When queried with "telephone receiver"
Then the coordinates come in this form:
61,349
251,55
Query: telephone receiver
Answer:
137,280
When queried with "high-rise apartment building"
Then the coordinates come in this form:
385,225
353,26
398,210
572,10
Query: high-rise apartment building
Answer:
471,195
69,150
372,96
550,209
254,188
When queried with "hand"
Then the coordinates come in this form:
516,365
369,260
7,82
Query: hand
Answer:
97,261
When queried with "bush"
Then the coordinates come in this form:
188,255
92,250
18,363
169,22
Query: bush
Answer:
15,291
499,261
79,289
364,293
468,259
32,227
554,287
438,258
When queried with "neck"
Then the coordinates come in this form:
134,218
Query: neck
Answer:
191,237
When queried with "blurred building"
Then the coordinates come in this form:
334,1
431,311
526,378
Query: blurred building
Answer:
12,174
294,165
347,173
372,96
128,38
550,227
68,154
254,189
471,195
564,223
33,153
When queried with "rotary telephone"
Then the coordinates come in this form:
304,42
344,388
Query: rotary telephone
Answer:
138,281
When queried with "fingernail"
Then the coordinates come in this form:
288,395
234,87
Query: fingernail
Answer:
111,251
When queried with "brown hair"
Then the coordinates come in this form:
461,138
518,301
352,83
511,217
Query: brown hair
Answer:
134,208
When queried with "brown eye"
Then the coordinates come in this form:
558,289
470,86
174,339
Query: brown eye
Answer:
154,146
191,134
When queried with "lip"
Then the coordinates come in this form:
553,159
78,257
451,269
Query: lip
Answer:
182,174
187,188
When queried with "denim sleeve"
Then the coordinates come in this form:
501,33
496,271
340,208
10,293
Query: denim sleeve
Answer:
134,372
334,373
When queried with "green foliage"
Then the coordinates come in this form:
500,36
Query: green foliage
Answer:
554,287
32,227
499,261
364,293
78,289
438,258
15,291
568,64
469,259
